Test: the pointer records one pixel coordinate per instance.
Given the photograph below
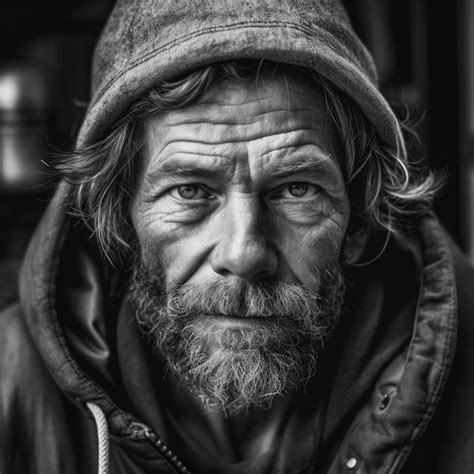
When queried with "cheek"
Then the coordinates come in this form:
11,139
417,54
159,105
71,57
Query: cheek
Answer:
174,251
308,250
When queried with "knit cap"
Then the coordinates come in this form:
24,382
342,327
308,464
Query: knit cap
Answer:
147,41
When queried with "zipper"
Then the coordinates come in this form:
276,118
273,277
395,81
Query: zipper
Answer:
141,430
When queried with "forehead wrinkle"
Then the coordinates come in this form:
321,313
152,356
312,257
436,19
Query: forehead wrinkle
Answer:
188,161
307,160
157,144
223,135
218,117
295,160
318,135
224,92
302,160
258,135
319,139
192,147
237,125
228,95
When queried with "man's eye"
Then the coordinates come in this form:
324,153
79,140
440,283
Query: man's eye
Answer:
297,190
191,191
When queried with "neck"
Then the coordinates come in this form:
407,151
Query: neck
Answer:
241,435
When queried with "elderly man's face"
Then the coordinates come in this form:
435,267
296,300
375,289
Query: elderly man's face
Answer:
241,190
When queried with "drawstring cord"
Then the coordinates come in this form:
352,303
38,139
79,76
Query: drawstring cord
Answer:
103,442
102,437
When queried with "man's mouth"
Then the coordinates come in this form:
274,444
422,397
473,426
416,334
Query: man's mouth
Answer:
235,321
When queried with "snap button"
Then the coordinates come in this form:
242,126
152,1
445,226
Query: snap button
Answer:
351,463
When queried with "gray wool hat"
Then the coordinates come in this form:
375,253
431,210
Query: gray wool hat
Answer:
147,41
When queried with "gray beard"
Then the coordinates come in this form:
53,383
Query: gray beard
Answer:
238,368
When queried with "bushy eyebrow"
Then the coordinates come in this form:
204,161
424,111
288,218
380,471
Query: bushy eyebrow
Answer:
319,165
171,171
322,166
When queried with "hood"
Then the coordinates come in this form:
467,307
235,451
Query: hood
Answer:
66,299
71,300
148,41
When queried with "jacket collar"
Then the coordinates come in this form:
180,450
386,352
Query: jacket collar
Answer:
390,418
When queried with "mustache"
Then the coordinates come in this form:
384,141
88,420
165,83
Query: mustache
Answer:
237,369
244,299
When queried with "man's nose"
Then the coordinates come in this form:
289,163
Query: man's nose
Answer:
244,249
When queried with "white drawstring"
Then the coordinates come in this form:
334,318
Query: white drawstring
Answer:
102,437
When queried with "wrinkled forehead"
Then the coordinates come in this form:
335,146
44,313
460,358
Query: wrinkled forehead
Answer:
233,100
257,116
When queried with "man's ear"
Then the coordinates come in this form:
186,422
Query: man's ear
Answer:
354,246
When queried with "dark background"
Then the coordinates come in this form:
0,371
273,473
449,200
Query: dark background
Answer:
421,47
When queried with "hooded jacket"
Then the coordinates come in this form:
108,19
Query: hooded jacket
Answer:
400,379
396,402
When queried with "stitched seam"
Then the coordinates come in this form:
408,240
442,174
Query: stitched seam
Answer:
258,24
308,31
445,364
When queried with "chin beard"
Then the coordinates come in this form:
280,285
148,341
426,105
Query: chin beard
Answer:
235,368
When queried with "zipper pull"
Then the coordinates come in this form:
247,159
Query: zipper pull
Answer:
141,430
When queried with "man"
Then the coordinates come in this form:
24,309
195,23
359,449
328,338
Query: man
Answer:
240,271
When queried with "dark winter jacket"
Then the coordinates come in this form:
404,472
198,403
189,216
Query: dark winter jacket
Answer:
401,390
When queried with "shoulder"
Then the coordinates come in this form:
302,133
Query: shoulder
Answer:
464,275
25,378
448,441
32,410
13,336
18,354
464,278
460,389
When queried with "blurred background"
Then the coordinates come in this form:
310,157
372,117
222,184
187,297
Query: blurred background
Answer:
424,51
